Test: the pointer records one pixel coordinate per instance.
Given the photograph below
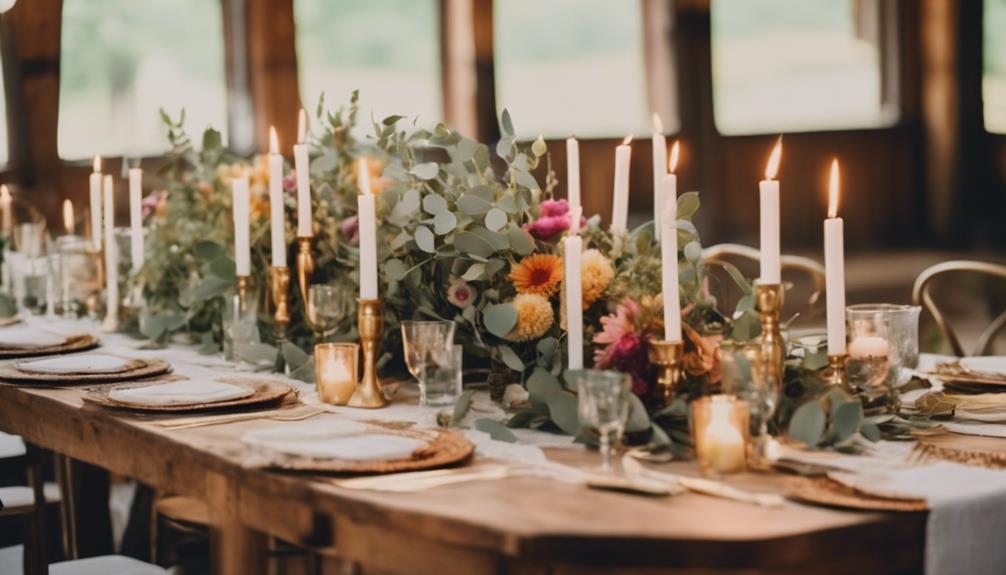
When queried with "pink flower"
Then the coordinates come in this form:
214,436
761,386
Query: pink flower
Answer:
290,182
350,230
547,228
460,294
551,208
626,348
152,203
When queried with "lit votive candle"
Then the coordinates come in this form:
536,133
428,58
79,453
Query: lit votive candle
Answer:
335,365
868,346
719,431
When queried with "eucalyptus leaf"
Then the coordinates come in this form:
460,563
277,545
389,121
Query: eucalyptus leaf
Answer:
542,384
807,424
294,356
444,223
564,411
510,358
496,430
461,407
474,272
693,252
500,318
688,204
306,372
506,124
395,269
425,171
520,240
208,249
639,419
425,239
503,147
434,204
846,418
399,241
473,205
224,268
473,244
546,349
538,148
495,219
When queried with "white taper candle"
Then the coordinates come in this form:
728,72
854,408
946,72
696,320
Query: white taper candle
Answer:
277,220
834,263
367,214
771,258
136,218
620,203
242,209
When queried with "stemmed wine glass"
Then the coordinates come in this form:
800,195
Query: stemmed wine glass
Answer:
420,340
327,306
604,406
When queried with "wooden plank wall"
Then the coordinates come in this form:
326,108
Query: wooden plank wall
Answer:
934,179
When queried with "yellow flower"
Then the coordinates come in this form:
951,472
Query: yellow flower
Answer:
539,274
597,272
534,317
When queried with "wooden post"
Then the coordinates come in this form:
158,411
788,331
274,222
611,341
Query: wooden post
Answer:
272,70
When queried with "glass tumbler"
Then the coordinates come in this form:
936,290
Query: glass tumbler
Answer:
883,350
420,339
335,370
603,406
720,433
744,376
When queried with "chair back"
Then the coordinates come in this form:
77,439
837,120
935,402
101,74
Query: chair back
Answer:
807,278
922,295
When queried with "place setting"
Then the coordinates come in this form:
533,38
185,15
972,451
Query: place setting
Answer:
21,340
81,368
176,394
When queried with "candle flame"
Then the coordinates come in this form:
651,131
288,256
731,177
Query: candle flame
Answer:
773,160
273,140
68,221
627,140
301,126
97,164
675,151
833,184
658,124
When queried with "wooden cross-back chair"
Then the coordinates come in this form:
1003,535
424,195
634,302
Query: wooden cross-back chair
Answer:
811,272
922,295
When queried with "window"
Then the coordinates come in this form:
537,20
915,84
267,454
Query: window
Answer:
387,49
123,60
572,67
994,77
796,65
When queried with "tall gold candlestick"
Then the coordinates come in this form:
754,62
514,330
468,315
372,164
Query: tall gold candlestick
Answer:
243,286
279,288
666,355
305,269
768,302
370,320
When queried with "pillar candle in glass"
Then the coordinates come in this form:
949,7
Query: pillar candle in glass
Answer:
111,256
834,263
302,167
719,432
573,173
136,217
367,214
277,220
659,171
69,224
242,246
771,264
620,203
335,366
572,255
95,189
669,266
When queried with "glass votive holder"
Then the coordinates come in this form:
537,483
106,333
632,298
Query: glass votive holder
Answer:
79,281
720,433
335,365
240,326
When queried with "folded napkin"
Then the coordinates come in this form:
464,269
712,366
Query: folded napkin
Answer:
966,522
991,366
83,363
28,337
181,393
334,439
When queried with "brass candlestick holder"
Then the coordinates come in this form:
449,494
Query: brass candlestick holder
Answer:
279,288
666,355
370,320
835,374
768,302
305,269
243,287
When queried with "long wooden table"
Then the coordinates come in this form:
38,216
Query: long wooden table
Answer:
516,525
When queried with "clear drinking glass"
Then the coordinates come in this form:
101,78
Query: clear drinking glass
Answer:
883,349
744,376
240,323
604,407
420,339
78,275
327,307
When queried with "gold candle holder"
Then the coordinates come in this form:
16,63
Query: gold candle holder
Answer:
666,355
768,302
335,365
370,324
305,269
835,374
720,433
279,288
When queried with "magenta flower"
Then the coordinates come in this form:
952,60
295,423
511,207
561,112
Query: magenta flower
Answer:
350,230
626,346
551,208
290,182
553,219
151,203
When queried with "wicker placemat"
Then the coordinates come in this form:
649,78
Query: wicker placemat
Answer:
145,368
263,391
72,344
830,493
974,450
443,448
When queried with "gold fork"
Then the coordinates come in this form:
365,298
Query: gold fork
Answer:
242,417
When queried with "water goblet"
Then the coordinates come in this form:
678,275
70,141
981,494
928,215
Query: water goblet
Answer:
420,339
603,406
327,307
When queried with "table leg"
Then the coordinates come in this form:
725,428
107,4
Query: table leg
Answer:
235,548
88,521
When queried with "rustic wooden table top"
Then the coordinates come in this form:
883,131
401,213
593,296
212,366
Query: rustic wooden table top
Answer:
512,525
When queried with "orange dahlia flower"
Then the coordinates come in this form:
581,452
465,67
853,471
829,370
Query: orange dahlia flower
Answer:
538,274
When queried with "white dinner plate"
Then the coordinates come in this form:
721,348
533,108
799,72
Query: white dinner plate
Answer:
992,365
334,439
27,337
181,393
84,363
